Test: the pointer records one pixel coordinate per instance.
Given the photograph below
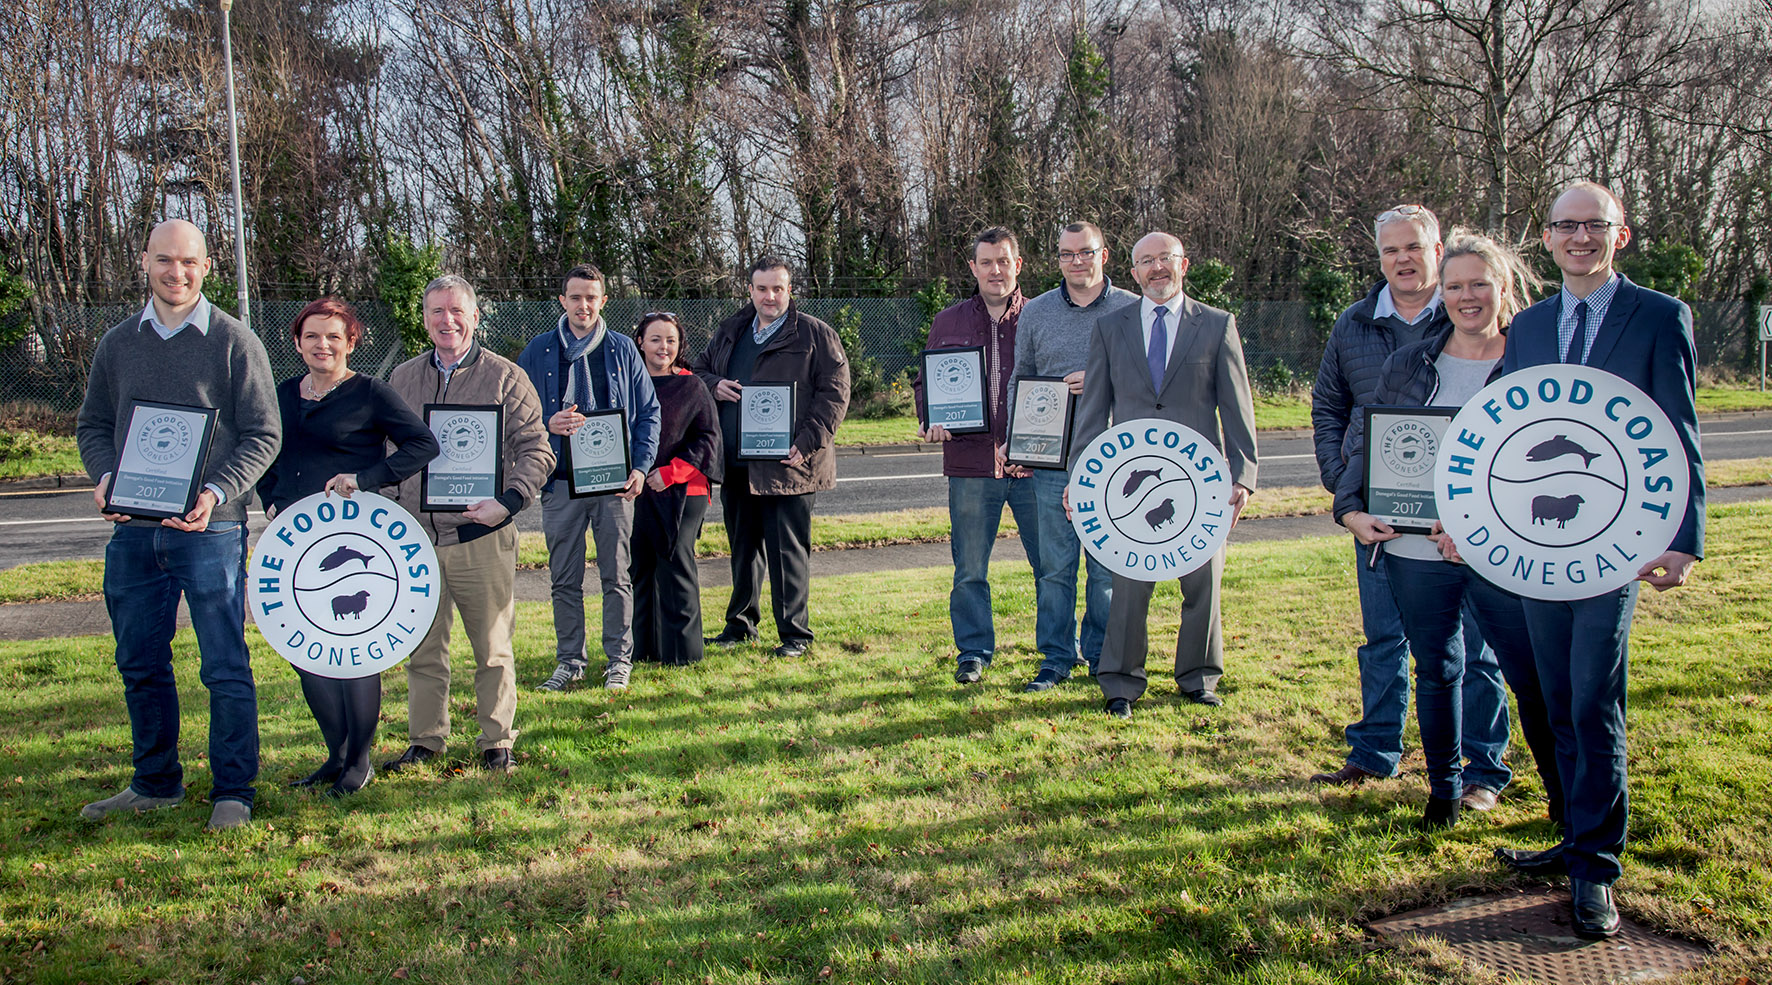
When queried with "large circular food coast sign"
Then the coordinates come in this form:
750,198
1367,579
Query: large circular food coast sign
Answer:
1560,482
344,587
1149,499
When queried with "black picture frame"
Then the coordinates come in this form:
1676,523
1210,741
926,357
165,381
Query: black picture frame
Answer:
981,426
1405,506
620,418
1016,456
793,403
429,505
132,481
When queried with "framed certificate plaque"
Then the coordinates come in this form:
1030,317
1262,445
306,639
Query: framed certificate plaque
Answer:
597,454
471,467
1040,422
1402,444
160,465
953,389
766,420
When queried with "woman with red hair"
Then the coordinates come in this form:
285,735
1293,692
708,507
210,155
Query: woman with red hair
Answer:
336,428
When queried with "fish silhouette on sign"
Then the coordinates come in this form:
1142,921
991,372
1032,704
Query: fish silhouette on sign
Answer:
1137,478
1557,447
342,556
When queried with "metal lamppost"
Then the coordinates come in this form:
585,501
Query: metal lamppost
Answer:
234,159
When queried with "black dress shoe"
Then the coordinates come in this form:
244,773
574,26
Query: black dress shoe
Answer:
792,648
349,782
969,672
1204,696
497,761
1595,917
1546,863
728,638
1045,680
327,773
1119,708
1348,776
1441,813
411,757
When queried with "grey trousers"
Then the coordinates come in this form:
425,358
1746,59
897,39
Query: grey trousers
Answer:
1199,645
610,520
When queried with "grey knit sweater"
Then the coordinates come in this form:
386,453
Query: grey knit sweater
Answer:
1052,337
226,369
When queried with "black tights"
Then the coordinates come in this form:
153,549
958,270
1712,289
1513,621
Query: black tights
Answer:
347,712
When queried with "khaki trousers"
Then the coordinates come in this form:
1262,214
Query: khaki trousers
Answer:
479,578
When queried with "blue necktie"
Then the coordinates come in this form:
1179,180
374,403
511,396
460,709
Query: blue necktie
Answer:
1578,341
1159,352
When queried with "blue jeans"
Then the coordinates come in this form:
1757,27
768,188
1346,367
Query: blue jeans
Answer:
146,569
1376,740
1055,598
1435,599
975,509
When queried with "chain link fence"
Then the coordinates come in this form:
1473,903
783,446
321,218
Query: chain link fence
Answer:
47,365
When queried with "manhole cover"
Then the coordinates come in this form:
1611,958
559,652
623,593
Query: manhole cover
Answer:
1527,934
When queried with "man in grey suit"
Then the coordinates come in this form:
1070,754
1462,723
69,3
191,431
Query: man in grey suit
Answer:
1173,358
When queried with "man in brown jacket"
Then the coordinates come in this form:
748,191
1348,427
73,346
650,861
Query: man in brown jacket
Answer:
767,503
477,548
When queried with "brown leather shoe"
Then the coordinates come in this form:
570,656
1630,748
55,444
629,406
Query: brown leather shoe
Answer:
1479,798
1348,776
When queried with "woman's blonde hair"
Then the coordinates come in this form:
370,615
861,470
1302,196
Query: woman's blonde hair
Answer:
1504,264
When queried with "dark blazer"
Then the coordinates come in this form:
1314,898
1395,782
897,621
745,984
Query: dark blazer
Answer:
1205,385
1647,340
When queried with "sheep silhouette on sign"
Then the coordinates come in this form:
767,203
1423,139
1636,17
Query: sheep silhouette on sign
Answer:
1559,508
350,605
1557,447
1161,515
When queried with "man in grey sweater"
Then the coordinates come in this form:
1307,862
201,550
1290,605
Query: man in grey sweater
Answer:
1053,340
181,350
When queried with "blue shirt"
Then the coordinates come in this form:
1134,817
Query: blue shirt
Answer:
1597,303
198,319
1386,307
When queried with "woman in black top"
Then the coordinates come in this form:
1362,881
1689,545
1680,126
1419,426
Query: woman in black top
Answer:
668,514
336,427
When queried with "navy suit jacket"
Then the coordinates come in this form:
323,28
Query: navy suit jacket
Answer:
1647,340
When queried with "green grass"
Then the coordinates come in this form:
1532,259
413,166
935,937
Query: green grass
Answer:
26,453
46,581
1722,399
745,821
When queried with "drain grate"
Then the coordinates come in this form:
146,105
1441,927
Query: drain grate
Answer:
1527,934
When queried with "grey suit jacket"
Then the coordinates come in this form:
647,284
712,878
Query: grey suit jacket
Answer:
1205,385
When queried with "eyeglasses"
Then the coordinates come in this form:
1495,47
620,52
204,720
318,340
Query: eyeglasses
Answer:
1402,212
1596,227
1079,256
658,316
1163,258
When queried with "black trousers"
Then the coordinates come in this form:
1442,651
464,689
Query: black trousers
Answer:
773,528
347,712
667,588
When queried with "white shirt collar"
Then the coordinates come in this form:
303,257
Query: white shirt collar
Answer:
1387,306
199,317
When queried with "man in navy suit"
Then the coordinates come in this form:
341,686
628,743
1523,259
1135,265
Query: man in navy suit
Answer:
1601,319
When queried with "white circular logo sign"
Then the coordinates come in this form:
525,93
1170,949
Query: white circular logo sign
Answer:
164,439
344,587
1149,499
463,437
1042,407
598,438
1560,482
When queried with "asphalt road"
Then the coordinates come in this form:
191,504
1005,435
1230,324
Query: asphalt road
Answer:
48,525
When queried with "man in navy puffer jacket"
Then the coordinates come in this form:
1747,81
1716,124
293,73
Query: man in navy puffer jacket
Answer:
1405,308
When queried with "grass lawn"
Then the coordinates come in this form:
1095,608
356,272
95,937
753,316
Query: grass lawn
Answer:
856,817
1718,399
25,453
